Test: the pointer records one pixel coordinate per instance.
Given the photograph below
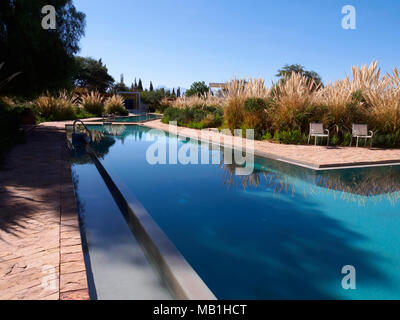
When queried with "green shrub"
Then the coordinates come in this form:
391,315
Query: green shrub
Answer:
292,137
267,136
81,113
10,122
195,117
276,137
196,125
234,114
389,140
334,141
347,139
255,116
115,105
154,100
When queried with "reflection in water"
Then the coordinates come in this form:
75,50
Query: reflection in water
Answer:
286,231
355,185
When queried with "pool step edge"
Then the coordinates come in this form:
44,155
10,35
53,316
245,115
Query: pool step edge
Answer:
180,277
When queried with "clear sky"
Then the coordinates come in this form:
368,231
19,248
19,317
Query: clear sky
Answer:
174,43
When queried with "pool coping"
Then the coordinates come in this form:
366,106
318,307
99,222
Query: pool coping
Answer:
304,164
42,245
180,277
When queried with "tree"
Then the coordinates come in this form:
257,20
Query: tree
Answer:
120,86
45,58
151,86
140,85
197,88
92,75
178,92
287,71
153,98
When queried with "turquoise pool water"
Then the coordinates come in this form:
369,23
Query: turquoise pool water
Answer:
284,232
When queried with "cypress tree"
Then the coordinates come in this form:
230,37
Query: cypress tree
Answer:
151,86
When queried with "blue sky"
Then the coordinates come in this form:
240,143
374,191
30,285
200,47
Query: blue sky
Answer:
174,43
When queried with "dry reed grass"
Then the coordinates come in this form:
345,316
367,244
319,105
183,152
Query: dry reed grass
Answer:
93,103
366,97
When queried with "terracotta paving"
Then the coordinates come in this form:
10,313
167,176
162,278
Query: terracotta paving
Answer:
314,156
40,244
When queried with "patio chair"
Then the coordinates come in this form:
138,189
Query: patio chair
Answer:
360,131
317,130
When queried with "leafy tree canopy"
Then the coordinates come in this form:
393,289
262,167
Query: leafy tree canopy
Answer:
287,71
44,57
197,88
92,75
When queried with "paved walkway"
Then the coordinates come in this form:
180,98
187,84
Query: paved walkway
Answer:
40,245
313,156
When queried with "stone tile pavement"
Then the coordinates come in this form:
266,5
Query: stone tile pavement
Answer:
40,244
309,155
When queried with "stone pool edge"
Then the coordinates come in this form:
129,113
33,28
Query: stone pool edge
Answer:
180,277
73,273
195,134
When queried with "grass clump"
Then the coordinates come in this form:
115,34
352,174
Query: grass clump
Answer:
115,105
93,103
55,108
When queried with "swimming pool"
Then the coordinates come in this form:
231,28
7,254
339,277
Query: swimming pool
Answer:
284,232
139,118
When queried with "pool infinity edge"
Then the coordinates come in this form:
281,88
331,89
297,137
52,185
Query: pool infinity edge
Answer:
180,277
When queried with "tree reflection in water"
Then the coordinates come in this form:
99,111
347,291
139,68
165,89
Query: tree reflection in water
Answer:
355,185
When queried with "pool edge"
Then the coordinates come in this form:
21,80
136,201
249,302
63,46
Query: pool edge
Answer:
180,277
300,163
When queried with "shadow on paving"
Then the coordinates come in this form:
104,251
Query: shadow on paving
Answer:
31,177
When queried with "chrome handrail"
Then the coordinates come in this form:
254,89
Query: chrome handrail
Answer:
74,129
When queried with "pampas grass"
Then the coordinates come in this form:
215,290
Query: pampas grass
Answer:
366,96
93,103
195,101
115,105
59,107
293,97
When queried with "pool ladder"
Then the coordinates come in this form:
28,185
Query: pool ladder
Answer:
81,139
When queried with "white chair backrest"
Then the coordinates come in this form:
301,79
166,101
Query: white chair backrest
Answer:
316,128
360,130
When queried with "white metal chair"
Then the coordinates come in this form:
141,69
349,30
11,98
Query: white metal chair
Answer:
317,131
360,131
